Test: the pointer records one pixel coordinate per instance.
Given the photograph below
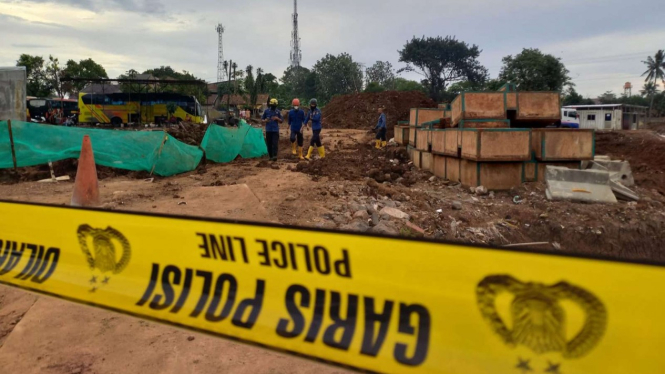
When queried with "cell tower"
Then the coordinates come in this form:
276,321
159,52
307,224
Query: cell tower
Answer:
220,54
296,53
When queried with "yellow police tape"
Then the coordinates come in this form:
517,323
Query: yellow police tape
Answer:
372,303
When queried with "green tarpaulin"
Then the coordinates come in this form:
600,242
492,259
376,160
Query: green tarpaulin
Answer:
224,144
37,144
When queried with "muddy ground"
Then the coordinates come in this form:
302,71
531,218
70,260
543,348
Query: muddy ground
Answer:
345,191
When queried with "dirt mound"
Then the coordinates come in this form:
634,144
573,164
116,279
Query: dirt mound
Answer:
189,133
359,111
389,165
644,150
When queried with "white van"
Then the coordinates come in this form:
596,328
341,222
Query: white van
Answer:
570,119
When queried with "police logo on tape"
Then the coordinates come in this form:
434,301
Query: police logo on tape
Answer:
110,255
538,318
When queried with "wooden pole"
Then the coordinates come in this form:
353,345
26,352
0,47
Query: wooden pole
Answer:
11,140
161,148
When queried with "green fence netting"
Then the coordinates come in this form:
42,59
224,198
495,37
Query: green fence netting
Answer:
224,144
37,144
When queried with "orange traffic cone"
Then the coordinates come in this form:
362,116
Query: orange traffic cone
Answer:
86,187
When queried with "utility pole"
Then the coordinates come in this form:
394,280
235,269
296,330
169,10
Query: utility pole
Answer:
296,53
220,53
228,95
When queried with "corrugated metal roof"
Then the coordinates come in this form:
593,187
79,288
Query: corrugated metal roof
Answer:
604,106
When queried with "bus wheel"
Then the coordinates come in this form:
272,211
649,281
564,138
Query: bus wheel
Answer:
116,122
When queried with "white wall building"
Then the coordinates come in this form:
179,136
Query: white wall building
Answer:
610,116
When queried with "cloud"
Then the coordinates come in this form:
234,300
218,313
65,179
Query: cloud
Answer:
30,46
9,18
138,6
141,34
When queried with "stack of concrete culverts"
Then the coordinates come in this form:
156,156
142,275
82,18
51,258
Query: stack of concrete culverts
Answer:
498,140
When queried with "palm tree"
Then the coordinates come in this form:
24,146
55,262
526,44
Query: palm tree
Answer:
655,71
649,89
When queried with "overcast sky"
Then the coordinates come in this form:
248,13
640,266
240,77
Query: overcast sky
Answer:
602,42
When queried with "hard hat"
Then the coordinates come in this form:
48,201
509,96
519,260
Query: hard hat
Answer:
296,102
313,102
273,102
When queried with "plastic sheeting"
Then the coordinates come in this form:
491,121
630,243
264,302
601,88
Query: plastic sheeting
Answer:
37,144
152,151
225,144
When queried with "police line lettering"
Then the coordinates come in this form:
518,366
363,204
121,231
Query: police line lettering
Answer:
372,303
216,295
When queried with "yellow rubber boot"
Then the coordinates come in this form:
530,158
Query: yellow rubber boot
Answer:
378,144
309,153
300,153
293,149
322,152
383,144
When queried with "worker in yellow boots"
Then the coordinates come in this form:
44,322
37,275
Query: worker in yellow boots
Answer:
296,121
381,130
314,115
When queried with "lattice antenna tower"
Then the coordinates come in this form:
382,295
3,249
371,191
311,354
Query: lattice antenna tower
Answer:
296,53
220,53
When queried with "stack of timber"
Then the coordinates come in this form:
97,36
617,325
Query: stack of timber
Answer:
482,148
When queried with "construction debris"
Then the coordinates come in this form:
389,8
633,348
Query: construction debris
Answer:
58,179
590,186
619,171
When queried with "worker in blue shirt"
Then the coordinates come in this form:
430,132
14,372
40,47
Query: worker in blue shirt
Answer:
272,117
381,130
296,121
314,115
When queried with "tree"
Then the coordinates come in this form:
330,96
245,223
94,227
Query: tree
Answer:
36,76
171,108
442,61
166,73
337,75
608,98
571,97
374,87
250,86
381,73
82,69
655,71
299,82
532,70
54,75
402,84
650,89
131,87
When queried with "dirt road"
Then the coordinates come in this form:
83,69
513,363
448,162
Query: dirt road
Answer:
41,335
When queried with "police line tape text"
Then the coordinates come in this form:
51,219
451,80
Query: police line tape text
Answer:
40,265
273,253
169,289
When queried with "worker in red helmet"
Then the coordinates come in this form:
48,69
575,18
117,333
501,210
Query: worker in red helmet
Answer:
296,121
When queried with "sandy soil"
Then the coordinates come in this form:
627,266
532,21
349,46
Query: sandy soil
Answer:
42,335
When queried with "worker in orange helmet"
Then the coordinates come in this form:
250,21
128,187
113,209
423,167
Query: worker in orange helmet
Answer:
296,121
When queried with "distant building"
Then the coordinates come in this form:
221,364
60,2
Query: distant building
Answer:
610,116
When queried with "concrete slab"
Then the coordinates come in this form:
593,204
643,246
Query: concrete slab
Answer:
622,192
620,171
591,186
